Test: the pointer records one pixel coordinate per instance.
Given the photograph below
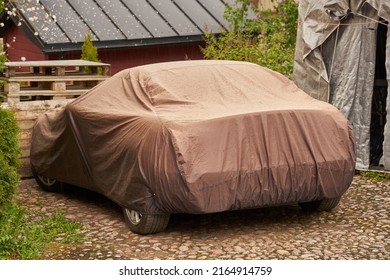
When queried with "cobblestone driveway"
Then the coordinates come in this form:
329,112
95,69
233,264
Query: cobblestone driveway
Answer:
357,229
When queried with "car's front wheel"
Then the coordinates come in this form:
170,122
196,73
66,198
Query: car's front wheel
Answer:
47,184
145,223
325,204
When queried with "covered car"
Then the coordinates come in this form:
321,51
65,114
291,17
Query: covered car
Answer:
196,137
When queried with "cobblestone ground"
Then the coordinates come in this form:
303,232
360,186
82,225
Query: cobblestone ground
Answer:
357,229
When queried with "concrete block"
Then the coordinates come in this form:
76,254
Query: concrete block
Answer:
58,86
12,88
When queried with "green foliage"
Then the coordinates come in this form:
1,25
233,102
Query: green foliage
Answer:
237,16
3,57
9,156
25,235
268,38
9,132
9,180
89,51
376,176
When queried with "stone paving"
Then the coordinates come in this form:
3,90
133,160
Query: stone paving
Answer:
359,228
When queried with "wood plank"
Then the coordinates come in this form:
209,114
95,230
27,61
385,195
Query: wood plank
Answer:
49,92
35,78
55,63
26,124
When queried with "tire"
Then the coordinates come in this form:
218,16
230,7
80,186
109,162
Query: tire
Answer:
145,223
325,204
47,184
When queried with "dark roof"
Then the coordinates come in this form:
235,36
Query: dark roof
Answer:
61,25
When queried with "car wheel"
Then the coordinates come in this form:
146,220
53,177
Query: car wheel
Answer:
47,184
325,204
145,223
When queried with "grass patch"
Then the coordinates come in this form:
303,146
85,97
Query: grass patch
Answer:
376,176
24,235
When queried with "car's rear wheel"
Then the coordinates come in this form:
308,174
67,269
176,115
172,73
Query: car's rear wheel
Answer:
325,204
47,184
145,223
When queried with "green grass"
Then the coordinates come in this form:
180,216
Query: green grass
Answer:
376,176
24,235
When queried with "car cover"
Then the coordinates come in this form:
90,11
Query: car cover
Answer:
197,137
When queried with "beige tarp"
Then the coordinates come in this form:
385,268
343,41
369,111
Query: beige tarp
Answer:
196,137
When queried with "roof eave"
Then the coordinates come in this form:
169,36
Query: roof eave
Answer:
69,47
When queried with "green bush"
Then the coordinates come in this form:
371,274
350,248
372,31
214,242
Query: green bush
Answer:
24,234
267,39
9,156
89,52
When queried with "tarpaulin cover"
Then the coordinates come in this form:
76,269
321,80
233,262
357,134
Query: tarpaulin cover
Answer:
335,61
198,137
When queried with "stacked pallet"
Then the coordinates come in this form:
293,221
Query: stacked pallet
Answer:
33,88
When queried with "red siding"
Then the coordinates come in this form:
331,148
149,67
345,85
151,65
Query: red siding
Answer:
124,58
21,47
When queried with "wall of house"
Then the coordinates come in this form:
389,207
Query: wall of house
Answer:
121,59
18,46
21,47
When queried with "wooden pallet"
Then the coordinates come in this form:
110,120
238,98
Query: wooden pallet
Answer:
55,79
32,88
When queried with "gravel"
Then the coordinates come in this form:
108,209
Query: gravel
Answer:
357,229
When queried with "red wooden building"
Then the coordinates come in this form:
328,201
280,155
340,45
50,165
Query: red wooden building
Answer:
127,33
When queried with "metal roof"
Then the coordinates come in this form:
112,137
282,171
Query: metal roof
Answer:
60,25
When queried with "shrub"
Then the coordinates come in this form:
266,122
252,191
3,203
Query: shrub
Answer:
9,156
89,52
3,59
267,38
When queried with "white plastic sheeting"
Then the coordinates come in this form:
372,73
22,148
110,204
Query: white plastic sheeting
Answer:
335,61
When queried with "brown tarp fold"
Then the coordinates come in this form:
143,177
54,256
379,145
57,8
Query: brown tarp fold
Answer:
198,137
